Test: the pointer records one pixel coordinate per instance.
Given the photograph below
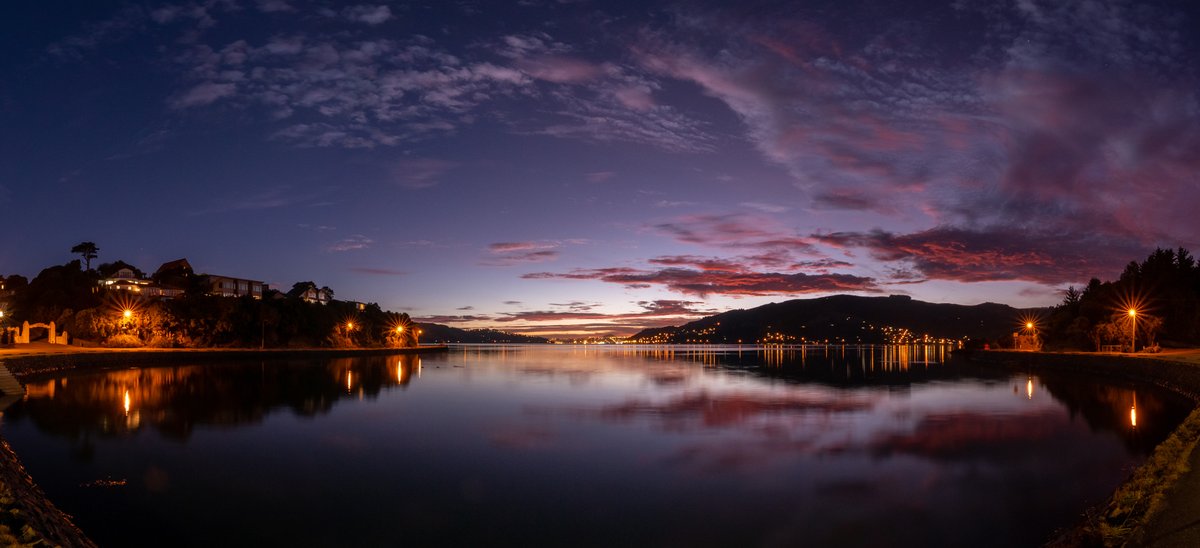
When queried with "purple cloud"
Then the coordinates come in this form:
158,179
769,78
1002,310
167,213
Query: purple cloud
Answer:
371,15
705,283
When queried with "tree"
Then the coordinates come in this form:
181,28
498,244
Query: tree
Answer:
88,251
107,270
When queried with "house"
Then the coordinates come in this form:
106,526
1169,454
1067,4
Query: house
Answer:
126,279
225,286
178,274
309,292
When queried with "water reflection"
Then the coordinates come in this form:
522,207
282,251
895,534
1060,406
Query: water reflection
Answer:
175,400
618,446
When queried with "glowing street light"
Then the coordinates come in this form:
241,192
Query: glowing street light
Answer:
127,314
1132,329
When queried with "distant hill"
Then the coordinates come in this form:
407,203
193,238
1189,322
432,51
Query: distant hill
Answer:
845,318
438,333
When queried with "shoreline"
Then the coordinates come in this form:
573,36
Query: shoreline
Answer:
34,510
48,358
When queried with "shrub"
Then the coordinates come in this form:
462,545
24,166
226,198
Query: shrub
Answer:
123,340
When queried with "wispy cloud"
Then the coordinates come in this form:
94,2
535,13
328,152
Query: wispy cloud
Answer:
378,271
665,310
765,208
371,15
599,176
704,283
273,6
512,253
203,94
417,173
947,253
350,243
469,318
1030,131
119,27
734,231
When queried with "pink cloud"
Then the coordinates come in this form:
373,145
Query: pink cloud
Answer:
702,283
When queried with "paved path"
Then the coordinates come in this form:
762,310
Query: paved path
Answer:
1178,524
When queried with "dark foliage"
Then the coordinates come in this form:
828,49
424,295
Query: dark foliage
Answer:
1164,289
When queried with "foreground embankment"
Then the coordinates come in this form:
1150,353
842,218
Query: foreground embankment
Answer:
27,517
1158,504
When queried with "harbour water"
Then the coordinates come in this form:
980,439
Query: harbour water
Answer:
584,446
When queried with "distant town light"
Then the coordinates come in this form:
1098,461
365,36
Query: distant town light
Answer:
1028,325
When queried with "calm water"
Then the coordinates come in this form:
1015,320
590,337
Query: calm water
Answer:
583,446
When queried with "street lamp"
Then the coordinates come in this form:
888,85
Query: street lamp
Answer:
1132,329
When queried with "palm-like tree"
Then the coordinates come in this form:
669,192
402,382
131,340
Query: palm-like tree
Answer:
88,251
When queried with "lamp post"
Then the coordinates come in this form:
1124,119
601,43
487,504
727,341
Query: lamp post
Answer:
1132,330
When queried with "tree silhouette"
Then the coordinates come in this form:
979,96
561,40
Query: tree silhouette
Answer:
88,251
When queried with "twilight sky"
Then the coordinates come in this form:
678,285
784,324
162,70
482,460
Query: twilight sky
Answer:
599,166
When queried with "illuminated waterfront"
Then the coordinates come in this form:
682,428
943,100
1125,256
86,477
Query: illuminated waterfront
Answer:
597,445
